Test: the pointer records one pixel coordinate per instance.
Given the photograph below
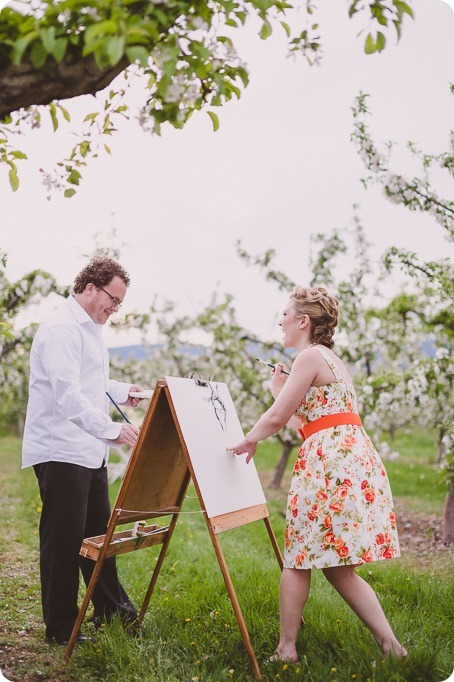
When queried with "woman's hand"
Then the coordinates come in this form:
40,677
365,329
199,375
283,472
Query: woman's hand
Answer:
243,447
278,379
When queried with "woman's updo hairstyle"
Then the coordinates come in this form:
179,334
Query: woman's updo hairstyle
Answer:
321,308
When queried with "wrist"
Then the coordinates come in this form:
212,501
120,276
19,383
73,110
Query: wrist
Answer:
249,439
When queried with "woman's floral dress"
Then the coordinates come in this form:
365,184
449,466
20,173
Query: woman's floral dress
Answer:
340,507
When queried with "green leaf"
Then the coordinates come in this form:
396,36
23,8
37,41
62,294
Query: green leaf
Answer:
18,154
84,148
398,28
102,28
38,55
286,28
369,45
138,53
48,38
65,112
352,9
74,177
107,148
95,45
215,120
21,45
69,193
381,41
59,49
403,7
13,179
53,115
243,74
115,49
199,50
266,30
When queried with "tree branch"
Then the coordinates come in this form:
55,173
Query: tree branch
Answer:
24,85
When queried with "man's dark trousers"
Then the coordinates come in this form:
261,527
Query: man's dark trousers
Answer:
75,505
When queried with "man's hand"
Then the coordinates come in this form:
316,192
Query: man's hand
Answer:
128,436
133,402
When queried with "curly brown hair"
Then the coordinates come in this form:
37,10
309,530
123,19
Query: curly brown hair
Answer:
322,310
99,271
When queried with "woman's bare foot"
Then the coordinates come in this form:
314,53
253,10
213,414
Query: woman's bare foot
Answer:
284,656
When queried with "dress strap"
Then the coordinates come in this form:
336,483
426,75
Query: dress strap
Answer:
332,365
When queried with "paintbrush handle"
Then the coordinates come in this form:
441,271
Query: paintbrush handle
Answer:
120,411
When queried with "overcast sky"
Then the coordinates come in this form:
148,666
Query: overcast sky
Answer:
280,167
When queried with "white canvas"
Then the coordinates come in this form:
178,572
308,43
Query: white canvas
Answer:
209,423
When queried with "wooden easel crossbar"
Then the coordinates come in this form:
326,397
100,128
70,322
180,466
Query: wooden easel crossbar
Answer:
157,478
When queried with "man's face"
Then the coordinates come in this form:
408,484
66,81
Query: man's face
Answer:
101,302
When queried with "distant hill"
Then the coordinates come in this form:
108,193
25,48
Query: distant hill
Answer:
140,352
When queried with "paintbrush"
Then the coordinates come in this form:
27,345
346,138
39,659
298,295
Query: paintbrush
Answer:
264,362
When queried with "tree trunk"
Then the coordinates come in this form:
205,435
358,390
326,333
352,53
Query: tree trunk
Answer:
448,515
441,445
287,447
20,423
23,85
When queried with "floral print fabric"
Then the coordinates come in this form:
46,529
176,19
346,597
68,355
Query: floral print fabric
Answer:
340,507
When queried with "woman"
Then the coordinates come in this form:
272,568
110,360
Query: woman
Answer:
340,510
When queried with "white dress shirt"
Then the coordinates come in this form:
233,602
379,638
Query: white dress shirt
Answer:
67,415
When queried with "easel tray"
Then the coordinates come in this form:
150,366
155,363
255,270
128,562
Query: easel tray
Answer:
123,542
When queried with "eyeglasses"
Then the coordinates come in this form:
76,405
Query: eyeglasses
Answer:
114,300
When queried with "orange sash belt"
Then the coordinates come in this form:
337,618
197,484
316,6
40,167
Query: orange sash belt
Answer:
337,419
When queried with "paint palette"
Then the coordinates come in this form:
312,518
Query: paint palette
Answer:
140,394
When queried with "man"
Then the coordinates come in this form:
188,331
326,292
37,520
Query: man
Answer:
67,436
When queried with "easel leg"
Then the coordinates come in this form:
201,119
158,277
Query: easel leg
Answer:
83,608
272,537
236,605
92,584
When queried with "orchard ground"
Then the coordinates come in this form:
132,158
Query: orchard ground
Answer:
189,632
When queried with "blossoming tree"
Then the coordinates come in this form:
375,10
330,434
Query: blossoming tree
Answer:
15,297
430,382
179,51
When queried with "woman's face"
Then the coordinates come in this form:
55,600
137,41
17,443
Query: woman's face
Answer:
291,326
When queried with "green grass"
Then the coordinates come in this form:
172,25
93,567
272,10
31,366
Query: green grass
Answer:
190,632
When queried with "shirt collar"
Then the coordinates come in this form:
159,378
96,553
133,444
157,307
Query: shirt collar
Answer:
79,313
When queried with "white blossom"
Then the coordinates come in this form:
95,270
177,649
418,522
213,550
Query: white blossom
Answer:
200,24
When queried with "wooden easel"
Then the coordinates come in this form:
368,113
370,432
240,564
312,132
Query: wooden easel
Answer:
155,485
